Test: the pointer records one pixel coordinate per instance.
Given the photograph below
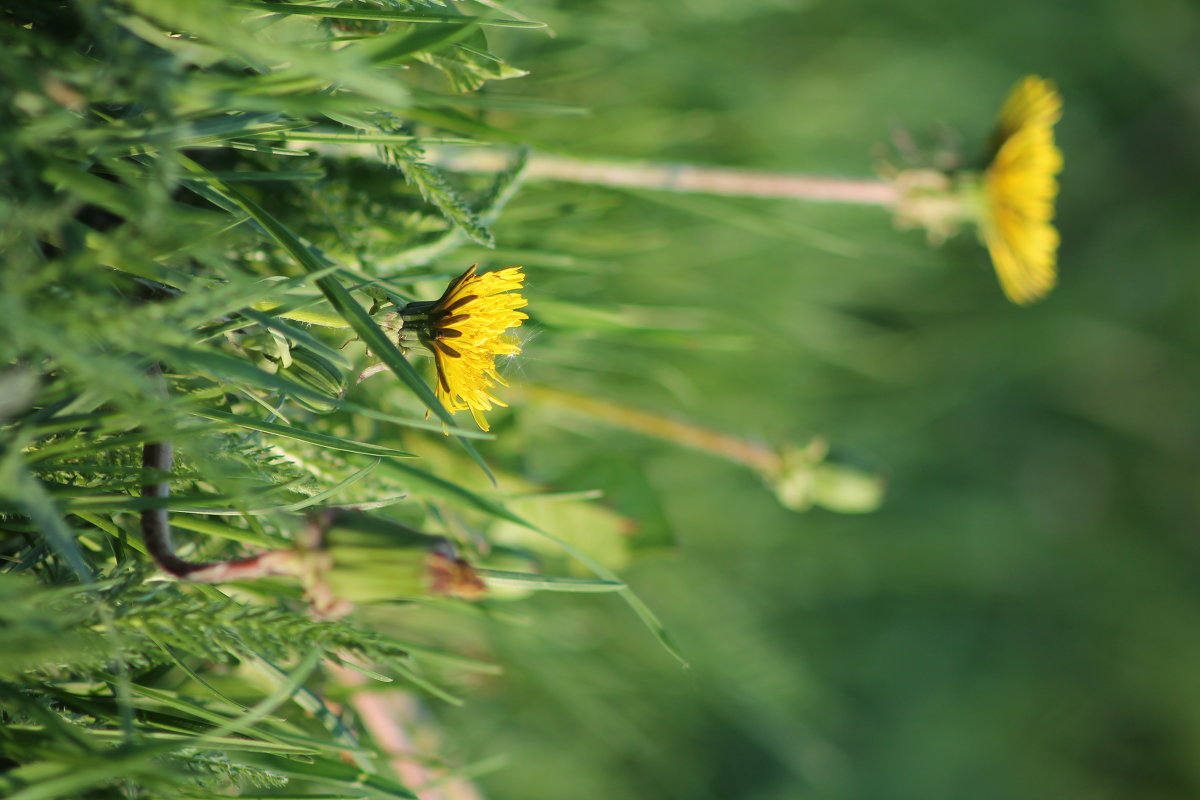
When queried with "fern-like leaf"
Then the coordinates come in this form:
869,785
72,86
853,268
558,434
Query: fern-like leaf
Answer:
434,187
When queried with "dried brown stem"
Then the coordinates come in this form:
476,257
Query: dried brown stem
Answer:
156,523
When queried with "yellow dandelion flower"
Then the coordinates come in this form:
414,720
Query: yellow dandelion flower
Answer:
1019,189
465,330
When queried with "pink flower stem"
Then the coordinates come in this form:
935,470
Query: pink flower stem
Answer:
751,454
686,178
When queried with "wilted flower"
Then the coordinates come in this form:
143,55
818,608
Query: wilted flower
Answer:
1019,189
465,330
452,576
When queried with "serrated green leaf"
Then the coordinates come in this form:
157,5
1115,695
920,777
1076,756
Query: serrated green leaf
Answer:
502,190
432,184
468,65
421,39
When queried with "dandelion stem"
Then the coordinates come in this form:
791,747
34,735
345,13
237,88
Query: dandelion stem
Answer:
667,177
751,454
156,525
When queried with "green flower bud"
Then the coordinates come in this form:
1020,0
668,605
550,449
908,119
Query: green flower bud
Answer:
354,557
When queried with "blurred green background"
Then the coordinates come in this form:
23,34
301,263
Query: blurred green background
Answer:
1019,619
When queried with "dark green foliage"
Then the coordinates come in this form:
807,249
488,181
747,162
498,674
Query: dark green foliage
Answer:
180,185
217,628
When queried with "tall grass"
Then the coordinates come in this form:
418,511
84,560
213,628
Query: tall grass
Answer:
209,209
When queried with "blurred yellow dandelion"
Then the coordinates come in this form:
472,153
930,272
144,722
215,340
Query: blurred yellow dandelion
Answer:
1019,189
465,330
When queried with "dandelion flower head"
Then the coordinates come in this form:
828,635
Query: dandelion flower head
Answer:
1019,189
466,330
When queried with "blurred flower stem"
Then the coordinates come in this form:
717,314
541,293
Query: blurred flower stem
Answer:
758,457
668,177
800,475
405,736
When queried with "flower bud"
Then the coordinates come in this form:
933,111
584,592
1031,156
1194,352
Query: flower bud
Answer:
355,557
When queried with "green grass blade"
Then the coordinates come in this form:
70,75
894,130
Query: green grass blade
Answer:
30,495
332,772
546,583
238,371
302,435
381,14
365,137
288,686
